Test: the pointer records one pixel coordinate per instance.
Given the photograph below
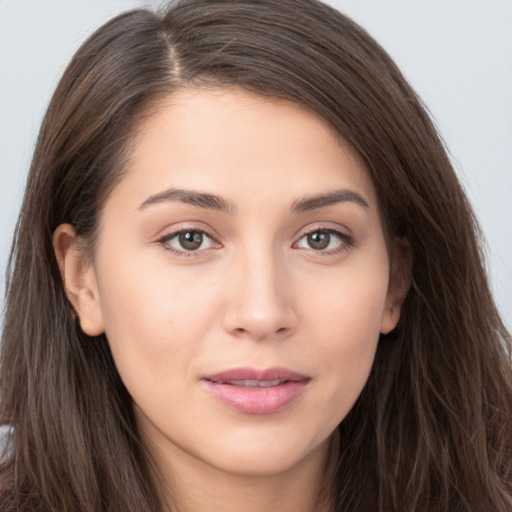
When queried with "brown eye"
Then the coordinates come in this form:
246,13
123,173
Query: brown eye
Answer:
190,240
325,241
319,240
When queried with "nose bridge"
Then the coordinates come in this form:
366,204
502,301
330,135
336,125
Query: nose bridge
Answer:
260,306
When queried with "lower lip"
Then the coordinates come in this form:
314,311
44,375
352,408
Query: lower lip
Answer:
257,400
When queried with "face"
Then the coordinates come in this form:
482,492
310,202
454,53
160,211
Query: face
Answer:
242,279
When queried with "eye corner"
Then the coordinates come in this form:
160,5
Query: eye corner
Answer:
325,241
188,242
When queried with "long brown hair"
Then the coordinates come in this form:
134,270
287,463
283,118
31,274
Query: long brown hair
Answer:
432,429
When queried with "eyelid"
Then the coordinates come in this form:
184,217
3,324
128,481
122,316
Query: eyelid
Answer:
164,240
347,240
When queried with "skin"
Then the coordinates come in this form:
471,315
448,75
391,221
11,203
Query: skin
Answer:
255,293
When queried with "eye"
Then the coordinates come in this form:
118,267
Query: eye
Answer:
325,240
187,240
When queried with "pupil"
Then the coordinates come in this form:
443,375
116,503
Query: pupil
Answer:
319,240
191,240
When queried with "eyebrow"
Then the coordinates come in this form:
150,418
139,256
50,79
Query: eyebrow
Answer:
314,202
214,202
192,197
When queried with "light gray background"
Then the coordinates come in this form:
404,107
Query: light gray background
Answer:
456,53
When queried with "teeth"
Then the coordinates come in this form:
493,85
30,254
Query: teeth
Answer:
269,383
254,383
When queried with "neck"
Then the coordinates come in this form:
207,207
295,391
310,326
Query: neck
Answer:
193,486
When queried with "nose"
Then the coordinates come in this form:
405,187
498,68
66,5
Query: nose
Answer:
260,305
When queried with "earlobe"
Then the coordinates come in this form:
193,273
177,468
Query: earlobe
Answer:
79,279
399,284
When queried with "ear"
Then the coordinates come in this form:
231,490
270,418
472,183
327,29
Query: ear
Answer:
399,284
79,279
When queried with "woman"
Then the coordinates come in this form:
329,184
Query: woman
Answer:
245,276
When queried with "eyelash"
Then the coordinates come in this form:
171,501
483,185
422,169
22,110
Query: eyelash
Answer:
164,242
346,241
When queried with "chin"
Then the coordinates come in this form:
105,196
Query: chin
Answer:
264,456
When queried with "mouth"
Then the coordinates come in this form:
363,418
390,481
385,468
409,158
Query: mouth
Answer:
253,383
253,391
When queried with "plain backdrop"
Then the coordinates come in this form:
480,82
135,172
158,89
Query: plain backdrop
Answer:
456,53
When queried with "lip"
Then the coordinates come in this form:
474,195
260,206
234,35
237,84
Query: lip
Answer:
253,391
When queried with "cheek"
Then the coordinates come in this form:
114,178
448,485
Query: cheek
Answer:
154,319
348,304
345,321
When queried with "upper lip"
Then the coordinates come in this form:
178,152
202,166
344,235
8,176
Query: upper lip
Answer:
252,374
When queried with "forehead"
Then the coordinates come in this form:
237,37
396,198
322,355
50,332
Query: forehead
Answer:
230,141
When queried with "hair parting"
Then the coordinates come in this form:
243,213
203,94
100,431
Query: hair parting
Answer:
432,429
